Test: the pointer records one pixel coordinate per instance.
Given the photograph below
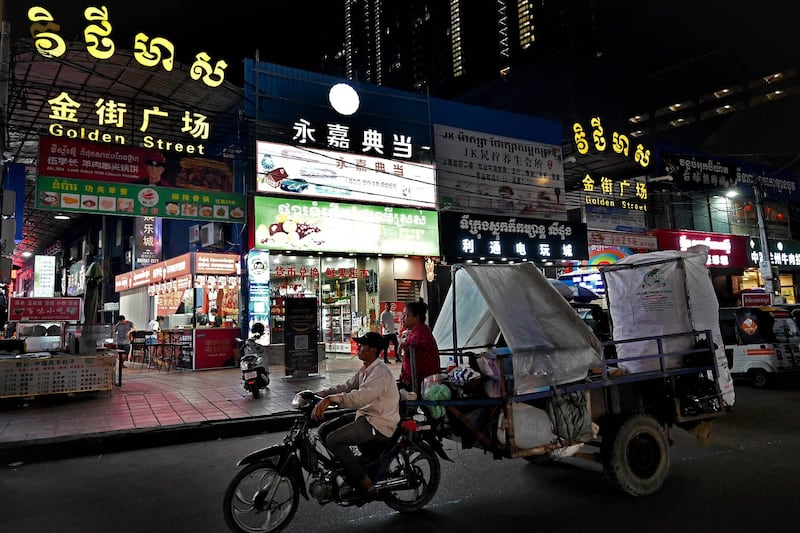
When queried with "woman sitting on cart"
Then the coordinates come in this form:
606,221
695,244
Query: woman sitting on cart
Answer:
418,336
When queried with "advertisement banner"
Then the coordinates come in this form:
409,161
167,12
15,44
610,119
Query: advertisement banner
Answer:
322,226
215,347
259,299
147,241
615,219
312,173
485,173
67,158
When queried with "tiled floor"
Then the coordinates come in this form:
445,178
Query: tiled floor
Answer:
149,399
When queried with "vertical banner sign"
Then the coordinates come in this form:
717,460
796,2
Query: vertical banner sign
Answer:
147,244
44,276
300,349
258,287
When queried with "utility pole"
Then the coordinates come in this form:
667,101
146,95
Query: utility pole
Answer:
764,264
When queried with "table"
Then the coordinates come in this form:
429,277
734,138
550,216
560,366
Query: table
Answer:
171,349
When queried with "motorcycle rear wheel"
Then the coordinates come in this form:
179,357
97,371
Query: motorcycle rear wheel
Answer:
259,499
416,467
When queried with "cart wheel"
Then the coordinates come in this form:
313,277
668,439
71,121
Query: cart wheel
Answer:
636,456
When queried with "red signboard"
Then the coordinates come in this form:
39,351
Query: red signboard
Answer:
215,347
725,251
175,269
756,299
45,309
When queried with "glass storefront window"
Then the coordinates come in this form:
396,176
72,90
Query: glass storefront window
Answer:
345,289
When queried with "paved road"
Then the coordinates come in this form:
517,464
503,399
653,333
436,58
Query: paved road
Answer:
745,480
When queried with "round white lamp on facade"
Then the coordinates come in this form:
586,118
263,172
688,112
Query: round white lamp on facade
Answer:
344,99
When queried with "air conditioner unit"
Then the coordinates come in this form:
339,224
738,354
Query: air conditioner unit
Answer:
212,235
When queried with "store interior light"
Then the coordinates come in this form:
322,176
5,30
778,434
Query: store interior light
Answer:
26,254
61,217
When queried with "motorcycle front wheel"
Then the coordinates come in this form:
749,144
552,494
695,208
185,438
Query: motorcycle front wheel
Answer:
259,499
412,478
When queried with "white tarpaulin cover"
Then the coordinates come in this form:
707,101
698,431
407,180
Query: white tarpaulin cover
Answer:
660,293
548,341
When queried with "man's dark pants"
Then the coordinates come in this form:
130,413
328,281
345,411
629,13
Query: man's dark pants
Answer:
344,431
391,338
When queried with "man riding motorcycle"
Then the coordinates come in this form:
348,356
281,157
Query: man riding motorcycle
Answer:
373,392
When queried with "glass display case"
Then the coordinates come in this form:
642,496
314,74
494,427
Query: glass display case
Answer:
337,325
276,316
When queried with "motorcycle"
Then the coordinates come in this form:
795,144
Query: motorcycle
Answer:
255,374
265,494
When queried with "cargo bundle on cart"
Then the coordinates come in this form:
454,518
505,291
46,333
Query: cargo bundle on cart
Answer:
528,378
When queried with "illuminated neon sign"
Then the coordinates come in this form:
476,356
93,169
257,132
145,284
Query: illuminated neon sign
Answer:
620,143
149,52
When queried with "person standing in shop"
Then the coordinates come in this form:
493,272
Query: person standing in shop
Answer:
214,320
390,333
122,335
154,326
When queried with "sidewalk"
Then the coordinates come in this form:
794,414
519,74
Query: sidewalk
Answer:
156,408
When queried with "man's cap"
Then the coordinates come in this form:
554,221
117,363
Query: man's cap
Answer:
372,339
155,159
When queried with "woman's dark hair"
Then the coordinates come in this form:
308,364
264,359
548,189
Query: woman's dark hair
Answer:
258,328
419,309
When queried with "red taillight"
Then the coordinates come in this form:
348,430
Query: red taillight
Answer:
409,425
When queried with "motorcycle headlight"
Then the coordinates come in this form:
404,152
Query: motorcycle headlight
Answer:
303,399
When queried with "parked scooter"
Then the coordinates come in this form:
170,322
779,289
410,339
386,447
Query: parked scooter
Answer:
265,494
255,372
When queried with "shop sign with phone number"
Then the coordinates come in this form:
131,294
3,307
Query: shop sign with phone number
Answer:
91,197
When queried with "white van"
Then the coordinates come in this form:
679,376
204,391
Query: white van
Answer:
760,342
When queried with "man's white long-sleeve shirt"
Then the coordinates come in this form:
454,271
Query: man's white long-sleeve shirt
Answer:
373,392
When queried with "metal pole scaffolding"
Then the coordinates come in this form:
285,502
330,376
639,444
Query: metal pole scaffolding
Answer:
764,264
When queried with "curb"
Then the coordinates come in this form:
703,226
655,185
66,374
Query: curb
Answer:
120,441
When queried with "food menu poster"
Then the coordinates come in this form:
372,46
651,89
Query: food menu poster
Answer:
323,226
55,375
110,198
45,309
